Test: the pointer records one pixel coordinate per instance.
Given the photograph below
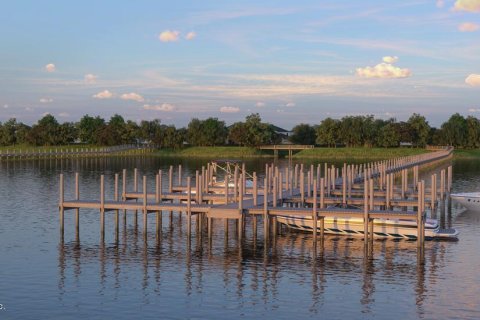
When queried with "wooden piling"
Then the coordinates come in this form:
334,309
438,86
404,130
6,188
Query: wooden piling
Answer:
61,209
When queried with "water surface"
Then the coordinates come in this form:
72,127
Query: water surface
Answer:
43,277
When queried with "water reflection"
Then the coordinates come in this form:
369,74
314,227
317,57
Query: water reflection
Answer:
250,269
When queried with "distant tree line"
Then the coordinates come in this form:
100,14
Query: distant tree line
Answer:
350,131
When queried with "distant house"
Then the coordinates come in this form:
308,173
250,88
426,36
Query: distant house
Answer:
284,134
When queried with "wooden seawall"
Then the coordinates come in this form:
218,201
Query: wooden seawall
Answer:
386,189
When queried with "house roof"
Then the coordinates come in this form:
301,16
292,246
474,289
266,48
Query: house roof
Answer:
278,129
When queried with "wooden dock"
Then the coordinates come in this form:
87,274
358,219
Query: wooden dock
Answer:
388,189
62,153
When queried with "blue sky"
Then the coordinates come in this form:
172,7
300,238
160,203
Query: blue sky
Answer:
291,62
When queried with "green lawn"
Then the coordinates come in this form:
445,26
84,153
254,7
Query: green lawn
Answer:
213,152
358,153
466,153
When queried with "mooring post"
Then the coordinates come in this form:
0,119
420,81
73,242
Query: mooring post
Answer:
77,210
124,194
449,179
144,208
322,206
314,211
240,208
419,212
442,184
135,189
433,192
179,178
189,205
302,188
255,189
265,209
344,185
115,197
295,176
170,179
102,206
197,186
371,195
60,205
235,183
365,208
158,201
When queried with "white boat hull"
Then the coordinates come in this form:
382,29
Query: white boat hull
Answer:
382,228
470,200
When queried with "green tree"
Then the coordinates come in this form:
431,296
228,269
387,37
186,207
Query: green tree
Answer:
473,132
46,132
455,130
303,134
8,132
420,130
388,136
327,132
87,128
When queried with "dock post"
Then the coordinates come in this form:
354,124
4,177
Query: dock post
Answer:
170,179
442,184
135,189
255,189
102,207
145,213
124,192
235,184
77,210
433,193
189,204
265,210
322,206
314,211
157,201
295,175
60,205
179,175
419,212
302,188
365,208
344,185
449,179
240,208
117,220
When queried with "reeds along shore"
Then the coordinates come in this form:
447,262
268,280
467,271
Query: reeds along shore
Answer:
387,189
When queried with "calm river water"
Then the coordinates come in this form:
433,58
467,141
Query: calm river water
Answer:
42,277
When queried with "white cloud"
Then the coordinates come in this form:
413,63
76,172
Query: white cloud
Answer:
473,80
390,59
132,96
468,27
229,109
260,104
467,5
90,78
161,107
5,106
290,104
50,67
474,110
46,100
105,94
384,71
440,3
191,35
45,114
63,114
169,36
28,109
